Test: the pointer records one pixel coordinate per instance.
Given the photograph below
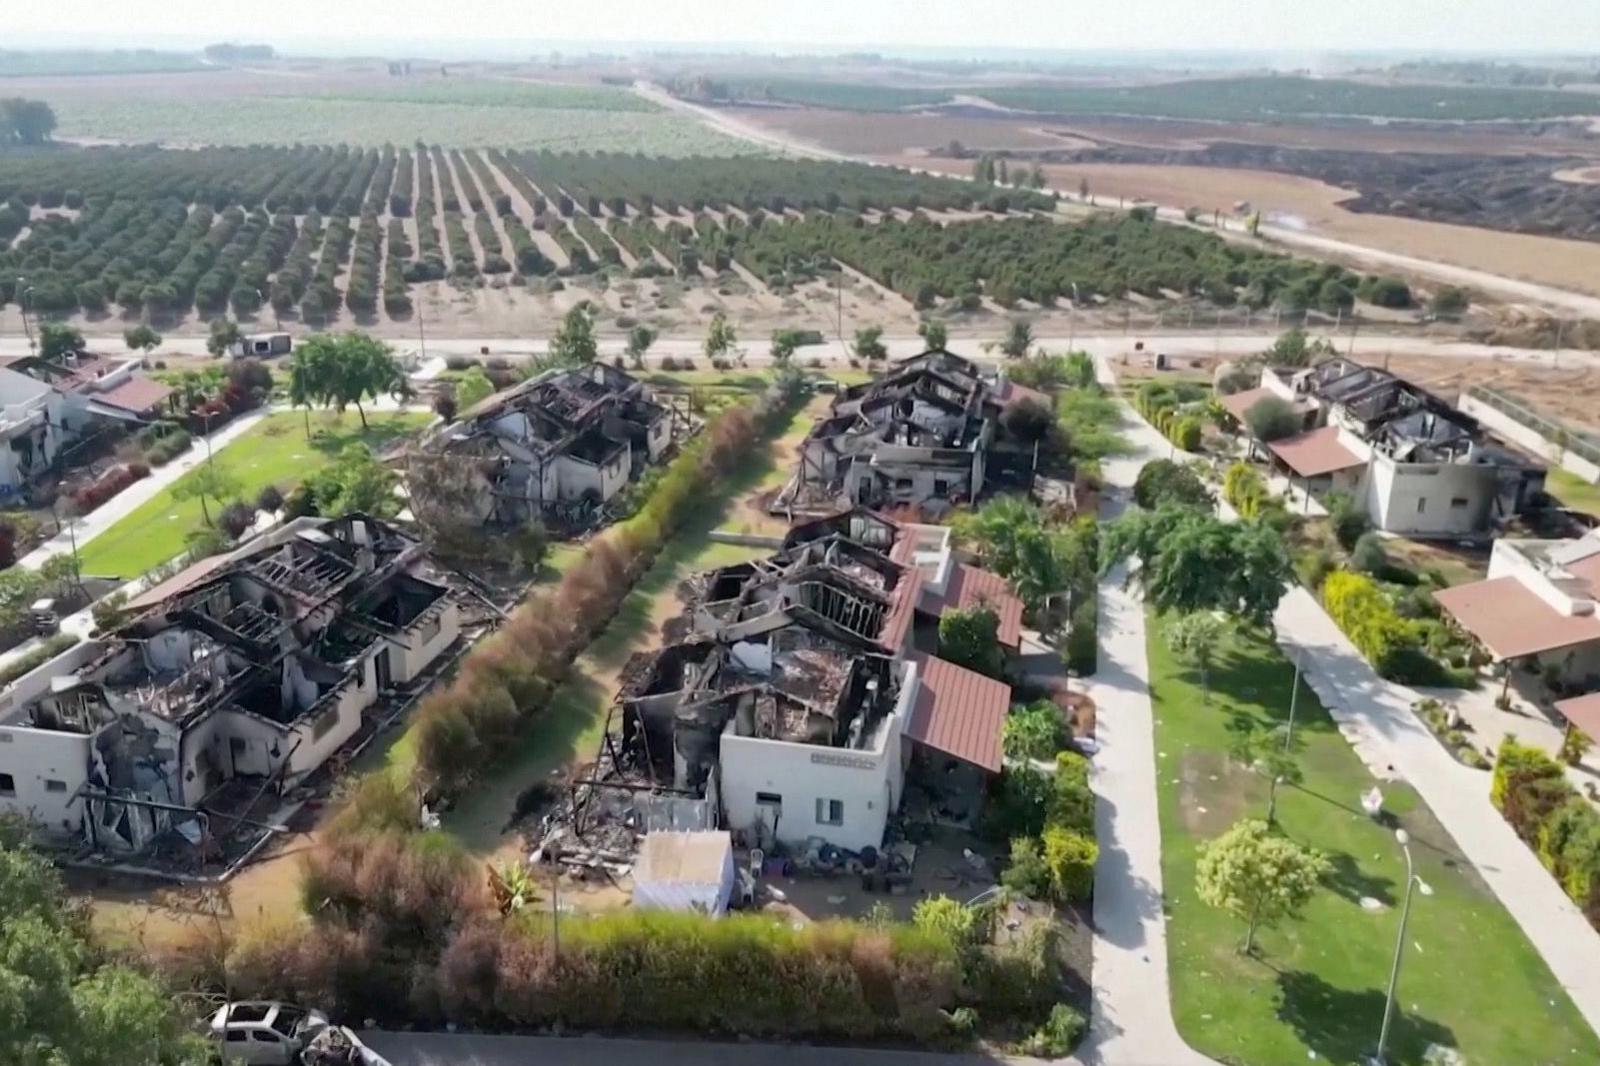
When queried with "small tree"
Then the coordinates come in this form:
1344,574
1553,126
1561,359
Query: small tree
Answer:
1019,338
1256,876
640,338
206,481
57,341
1272,418
933,334
574,343
784,344
1196,637
1165,481
223,336
1269,752
1295,348
970,638
1450,300
141,338
720,337
1027,420
869,344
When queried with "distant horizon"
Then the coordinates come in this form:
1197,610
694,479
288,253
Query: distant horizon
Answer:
535,49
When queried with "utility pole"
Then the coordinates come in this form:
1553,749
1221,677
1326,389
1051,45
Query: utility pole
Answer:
22,306
1288,739
422,333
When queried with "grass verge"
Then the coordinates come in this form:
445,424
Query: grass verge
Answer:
1470,980
275,452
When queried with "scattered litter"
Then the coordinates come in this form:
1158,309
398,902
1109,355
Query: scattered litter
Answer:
1201,810
1370,904
836,901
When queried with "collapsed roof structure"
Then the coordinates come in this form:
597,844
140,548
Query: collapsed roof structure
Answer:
789,704
255,666
1418,465
557,447
918,436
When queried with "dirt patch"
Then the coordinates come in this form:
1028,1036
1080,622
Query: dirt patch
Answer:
867,133
1213,792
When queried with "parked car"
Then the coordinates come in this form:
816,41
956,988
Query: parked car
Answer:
264,1033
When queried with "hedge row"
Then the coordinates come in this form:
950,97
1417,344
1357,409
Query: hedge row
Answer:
1396,646
1532,791
1163,408
510,678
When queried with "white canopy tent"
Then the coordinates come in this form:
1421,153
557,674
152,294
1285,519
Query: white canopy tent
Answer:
684,872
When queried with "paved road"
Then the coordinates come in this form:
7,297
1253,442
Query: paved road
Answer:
1370,344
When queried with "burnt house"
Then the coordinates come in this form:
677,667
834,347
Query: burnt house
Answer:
557,447
253,666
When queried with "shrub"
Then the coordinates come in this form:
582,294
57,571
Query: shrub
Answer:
1072,800
1272,418
1070,857
1034,730
269,499
32,660
1186,433
1058,1035
1027,872
1017,804
1082,651
1165,481
299,502
1369,556
236,519
1348,520
1313,568
109,611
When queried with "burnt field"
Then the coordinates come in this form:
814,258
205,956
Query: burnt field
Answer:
1518,194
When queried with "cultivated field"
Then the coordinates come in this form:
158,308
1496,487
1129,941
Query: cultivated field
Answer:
1303,203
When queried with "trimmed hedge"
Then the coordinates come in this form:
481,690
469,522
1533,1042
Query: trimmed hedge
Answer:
1531,790
510,678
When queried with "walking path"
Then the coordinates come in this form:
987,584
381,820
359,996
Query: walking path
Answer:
1375,715
1132,1020
137,494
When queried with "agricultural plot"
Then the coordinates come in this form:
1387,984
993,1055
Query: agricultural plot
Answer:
1268,98
67,63
373,123
480,92
837,95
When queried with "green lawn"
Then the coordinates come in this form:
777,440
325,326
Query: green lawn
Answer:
1572,490
275,452
1470,979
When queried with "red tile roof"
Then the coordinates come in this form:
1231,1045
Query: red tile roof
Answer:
1583,712
971,587
1238,404
1511,620
897,621
1587,569
959,712
1316,452
138,394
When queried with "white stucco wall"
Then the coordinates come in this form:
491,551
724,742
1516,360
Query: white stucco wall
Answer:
421,650
1422,498
868,783
658,437
577,477
34,758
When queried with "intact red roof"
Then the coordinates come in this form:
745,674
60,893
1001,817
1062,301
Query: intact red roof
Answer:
1511,620
971,587
898,619
1238,404
137,394
1587,569
1315,452
959,712
1583,712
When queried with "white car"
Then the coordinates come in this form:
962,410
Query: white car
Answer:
264,1033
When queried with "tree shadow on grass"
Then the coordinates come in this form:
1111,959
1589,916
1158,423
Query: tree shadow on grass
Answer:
1341,1025
1346,879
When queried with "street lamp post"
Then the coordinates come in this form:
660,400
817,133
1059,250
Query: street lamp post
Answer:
1412,882
22,305
1288,740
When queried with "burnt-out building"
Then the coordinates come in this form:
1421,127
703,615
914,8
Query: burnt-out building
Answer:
253,666
796,697
557,447
919,436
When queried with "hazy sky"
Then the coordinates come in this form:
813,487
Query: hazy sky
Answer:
1273,26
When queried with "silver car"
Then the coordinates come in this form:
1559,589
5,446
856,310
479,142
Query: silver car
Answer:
264,1033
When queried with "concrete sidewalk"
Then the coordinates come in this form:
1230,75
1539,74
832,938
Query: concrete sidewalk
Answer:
140,492
1378,713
